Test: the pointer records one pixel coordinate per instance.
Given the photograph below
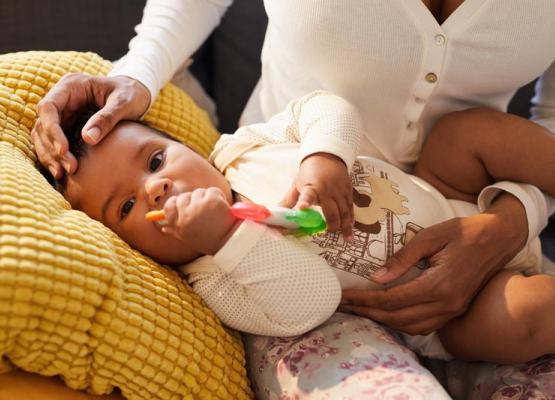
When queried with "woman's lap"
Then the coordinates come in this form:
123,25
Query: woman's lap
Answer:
346,357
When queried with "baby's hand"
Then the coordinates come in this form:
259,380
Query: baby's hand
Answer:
200,218
324,179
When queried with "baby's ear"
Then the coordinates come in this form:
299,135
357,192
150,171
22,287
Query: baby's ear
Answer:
59,185
46,174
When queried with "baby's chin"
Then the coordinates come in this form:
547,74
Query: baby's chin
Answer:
172,259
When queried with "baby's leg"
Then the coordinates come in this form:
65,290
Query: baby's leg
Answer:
510,321
468,150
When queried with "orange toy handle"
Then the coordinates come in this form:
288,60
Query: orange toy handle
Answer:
156,215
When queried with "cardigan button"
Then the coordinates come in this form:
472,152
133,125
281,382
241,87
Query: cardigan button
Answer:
440,40
431,77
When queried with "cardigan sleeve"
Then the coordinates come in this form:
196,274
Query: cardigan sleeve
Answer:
169,33
538,205
264,283
543,103
319,121
543,113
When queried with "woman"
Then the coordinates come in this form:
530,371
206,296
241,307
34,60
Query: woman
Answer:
404,64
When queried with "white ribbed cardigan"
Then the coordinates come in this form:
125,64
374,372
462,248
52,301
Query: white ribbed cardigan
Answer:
391,59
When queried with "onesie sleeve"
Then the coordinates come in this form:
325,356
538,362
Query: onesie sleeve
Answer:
169,33
264,283
319,121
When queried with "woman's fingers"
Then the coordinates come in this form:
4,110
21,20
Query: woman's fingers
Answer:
49,139
117,97
408,294
121,98
419,319
103,121
51,145
423,246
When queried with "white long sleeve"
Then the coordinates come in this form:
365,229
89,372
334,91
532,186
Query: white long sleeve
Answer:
169,33
264,283
537,205
319,121
543,113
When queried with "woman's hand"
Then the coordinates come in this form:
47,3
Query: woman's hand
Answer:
200,218
463,254
324,179
118,98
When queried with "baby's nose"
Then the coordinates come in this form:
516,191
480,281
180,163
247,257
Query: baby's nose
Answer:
157,190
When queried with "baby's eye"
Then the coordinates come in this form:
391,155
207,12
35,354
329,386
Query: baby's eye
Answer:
156,161
126,208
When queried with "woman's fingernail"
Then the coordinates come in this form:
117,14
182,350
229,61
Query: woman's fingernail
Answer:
65,164
93,133
380,272
52,171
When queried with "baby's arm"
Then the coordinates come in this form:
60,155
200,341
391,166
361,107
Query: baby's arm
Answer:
264,283
510,321
328,130
320,121
468,150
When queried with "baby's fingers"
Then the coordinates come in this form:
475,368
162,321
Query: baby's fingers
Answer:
170,211
331,212
290,198
307,197
346,214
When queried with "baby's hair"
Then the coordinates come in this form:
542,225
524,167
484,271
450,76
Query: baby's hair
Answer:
78,147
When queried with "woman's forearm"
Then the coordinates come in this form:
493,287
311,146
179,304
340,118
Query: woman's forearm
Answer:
509,225
169,33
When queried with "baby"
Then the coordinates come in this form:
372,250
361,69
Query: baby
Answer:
258,280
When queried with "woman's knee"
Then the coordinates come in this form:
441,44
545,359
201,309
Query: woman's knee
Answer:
460,125
507,321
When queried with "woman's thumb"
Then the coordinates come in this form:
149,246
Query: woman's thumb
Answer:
104,120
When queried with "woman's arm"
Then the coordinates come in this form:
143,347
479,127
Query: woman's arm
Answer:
463,253
169,33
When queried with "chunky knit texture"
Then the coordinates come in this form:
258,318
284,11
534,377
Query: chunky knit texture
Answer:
75,300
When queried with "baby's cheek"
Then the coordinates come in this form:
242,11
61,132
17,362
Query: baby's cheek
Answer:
161,247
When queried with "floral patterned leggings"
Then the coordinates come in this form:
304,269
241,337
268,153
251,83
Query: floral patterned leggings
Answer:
350,357
347,357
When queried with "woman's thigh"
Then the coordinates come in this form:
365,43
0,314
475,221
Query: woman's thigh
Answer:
345,357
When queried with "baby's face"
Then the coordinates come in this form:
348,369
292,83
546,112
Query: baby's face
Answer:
132,171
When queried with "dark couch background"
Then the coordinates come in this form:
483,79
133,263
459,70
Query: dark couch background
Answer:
228,65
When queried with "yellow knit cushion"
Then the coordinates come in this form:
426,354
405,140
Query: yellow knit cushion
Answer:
75,300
